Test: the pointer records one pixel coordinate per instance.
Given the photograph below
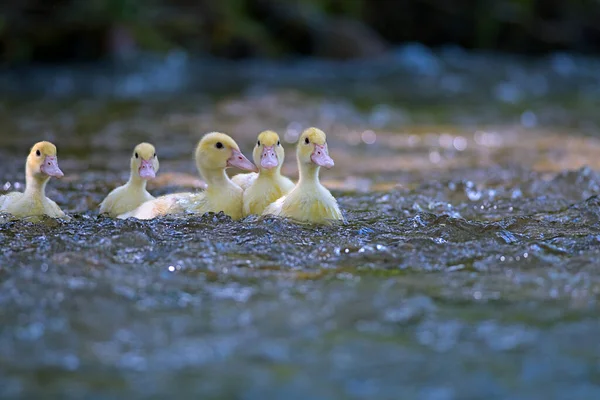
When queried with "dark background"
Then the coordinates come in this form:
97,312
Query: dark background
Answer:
59,31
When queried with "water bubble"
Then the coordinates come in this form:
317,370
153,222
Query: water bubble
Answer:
502,258
528,119
459,143
435,157
525,255
446,140
563,64
473,195
71,362
380,116
171,268
6,186
369,137
507,92
452,83
292,132
477,295
32,332
419,58
516,194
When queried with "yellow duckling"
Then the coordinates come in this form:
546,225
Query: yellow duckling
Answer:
144,166
309,201
42,164
268,185
215,153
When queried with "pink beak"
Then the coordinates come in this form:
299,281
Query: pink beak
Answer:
146,170
268,159
50,167
240,161
320,156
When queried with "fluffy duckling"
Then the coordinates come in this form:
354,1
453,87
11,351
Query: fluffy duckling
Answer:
309,201
42,164
215,153
144,166
268,185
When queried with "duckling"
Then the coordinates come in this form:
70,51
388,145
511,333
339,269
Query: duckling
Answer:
309,201
268,185
42,163
215,153
144,166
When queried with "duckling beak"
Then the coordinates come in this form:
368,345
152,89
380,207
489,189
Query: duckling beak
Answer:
320,156
268,159
146,170
50,167
240,161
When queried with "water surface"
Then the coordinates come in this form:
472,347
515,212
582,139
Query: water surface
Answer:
467,269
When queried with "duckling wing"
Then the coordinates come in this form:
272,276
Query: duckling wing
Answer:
286,184
276,207
245,180
314,207
107,205
53,210
158,207
8,199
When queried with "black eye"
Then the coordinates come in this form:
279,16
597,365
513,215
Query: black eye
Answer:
258,143
154,155
278,143
37,153
306,141
136,155
219,145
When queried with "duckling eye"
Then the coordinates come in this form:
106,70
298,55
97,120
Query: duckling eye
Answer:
38,153
278,143
136,155
306,141
154,155
219,145
258,143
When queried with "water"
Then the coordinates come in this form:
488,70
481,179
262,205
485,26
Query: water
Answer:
467,269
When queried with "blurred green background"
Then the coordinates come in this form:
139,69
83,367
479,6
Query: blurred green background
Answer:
84,30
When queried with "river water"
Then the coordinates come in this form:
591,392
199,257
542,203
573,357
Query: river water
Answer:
468,267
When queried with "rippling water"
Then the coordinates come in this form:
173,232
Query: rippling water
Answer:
467,269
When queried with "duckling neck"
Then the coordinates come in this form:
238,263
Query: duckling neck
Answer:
216,178
309,174
269,173
136,181
35,185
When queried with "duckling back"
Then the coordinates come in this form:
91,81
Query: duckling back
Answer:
264,191
307,205
21,206
123,199
244,180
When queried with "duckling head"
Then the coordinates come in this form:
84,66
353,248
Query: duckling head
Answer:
42,162
144,161
218,151
268,152
312,148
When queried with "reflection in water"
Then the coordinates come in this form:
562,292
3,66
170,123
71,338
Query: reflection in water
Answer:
467,267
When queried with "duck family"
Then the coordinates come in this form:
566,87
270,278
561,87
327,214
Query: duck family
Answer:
263,190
